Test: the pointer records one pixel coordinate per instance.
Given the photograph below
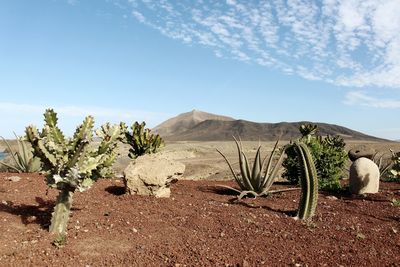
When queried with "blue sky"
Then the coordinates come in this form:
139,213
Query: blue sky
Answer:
334,61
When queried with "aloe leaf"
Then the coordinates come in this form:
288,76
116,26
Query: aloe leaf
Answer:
238,181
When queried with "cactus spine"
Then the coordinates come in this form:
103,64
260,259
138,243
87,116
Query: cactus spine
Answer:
75,163
308,182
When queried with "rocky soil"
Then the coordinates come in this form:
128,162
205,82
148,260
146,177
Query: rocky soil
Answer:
200,225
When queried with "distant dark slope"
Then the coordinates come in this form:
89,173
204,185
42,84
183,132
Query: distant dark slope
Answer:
213,130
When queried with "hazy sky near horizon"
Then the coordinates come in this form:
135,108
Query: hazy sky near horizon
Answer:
333,61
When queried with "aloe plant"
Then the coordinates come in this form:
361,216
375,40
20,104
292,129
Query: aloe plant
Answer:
308,182
141,140
23,158
258,179
72,164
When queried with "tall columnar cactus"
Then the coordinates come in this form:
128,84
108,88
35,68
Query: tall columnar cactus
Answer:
308,182
75,163
142,141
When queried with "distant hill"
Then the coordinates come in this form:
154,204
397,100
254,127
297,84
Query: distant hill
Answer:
192,126
186,121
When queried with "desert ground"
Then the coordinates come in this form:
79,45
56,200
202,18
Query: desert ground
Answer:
203,162
201,224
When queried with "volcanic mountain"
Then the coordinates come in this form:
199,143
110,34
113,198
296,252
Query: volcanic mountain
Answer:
202,126
185,122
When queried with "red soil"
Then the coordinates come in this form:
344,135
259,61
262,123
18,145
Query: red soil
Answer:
200,225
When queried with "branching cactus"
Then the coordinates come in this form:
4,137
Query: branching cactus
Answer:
73,164
308,182
142,141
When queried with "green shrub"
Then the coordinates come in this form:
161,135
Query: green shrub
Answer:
141,140
329,155
394,172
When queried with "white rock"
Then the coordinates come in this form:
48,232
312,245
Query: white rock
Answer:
151,175
14,178
364,177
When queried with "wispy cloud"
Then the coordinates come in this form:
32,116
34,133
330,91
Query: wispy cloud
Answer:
72,2
362,99
345,42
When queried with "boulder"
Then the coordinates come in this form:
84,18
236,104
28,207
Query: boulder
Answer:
151,175
361,151
364,177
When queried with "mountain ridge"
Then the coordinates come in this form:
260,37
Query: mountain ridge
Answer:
221,128
185,121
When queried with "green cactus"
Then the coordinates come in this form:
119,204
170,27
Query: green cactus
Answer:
24,161
255,182
308,131
73,164
141,140
308,182
394,171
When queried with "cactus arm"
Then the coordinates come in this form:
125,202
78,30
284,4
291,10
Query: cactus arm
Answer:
305,184
50,118
309,183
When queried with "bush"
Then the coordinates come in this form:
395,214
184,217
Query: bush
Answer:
329,155
141,140
394,172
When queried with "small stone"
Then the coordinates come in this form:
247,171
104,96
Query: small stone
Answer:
4,202
332,198
14,178
361,151
134,230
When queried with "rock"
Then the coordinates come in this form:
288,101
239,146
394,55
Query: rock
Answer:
332,198
364,177
14,178
151,175
361,151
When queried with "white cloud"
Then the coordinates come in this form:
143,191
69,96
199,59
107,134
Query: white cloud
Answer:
345,42
362,99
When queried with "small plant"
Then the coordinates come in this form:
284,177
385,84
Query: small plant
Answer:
396,202
60,241
72,164
258,179
329,155
24,161
394,172
141,140
384,164
256,182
